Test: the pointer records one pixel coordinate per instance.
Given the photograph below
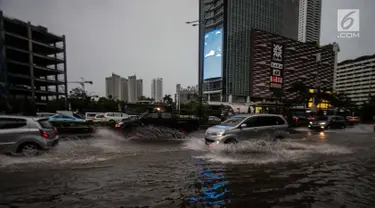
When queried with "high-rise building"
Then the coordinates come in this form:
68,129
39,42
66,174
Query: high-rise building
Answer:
225,45
113,86
132,89
124,89
139,88
157,89
356,78
32,62
309,20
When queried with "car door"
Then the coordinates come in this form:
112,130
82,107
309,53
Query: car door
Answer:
334,123
151,119
68,118
58,118
340,122
251,130
166,120
11,131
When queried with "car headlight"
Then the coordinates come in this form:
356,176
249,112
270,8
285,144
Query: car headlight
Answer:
310,122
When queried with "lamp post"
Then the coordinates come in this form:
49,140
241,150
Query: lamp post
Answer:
201,22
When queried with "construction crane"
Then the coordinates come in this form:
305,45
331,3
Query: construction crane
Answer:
82,83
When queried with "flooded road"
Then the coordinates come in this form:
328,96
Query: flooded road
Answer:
311,169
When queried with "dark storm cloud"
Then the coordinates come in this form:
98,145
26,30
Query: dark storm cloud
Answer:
149,38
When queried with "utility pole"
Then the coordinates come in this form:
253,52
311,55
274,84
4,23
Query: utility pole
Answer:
201,23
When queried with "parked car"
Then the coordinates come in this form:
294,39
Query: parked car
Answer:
61,117
249,126
328,122
25,135
301,118
115,116
99,118
90,116
353,120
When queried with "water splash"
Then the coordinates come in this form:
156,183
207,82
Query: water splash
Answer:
155,132
263,151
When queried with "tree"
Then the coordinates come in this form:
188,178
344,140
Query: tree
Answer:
167,99
302,93
78,93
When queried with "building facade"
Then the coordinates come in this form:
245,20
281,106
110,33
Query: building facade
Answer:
124,89
278,62
139,89
32,62
185,95
132,89
225,45
113,86
309,20
356,78
157,89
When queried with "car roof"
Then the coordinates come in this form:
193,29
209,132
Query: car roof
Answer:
258,114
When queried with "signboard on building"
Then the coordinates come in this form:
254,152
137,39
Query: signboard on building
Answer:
277,66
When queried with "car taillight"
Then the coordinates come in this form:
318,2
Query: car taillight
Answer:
44,133
295,118
56,131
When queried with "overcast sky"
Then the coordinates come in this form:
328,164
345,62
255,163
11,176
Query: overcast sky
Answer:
149,38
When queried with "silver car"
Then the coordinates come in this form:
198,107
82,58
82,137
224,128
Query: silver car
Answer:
250,126
26,135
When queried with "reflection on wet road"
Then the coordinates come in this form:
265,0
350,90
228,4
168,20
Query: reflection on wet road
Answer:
311,169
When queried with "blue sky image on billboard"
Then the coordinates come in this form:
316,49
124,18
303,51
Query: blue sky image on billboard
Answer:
212,65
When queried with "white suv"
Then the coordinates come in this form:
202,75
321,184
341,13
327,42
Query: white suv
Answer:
115,116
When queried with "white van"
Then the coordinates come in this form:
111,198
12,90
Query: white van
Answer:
115,116
90,116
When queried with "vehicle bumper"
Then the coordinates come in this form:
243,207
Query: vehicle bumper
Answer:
213,140
51,143
316,126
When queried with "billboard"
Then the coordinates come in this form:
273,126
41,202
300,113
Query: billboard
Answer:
277,66
212,61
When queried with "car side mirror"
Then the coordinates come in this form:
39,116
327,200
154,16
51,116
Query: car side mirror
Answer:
243,126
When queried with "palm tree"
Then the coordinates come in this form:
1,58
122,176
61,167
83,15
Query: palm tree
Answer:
167,99
302,91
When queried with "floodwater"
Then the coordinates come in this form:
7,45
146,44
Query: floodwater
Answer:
310,169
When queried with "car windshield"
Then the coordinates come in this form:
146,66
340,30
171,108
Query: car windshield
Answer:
233,121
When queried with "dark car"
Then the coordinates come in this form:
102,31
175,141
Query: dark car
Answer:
328,122
159,119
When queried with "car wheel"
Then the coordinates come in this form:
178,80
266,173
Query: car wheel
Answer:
231,141
30,150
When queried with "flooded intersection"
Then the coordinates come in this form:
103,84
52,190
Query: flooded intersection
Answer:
332,169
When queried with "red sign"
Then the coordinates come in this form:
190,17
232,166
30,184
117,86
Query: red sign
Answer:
276,72
275,79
